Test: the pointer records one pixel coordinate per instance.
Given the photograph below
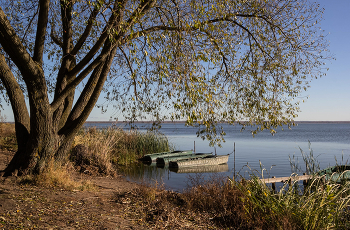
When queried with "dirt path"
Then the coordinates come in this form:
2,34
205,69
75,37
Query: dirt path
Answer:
30,207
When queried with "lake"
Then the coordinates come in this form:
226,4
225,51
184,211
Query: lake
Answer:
330,143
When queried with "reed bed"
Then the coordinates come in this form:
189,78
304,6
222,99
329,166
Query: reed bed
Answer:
221,203
322,204
105,147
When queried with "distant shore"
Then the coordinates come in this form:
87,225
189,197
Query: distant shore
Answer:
183,122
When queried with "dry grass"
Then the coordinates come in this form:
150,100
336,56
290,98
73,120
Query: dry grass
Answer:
221,203
8,139
212,204
100,146
58,176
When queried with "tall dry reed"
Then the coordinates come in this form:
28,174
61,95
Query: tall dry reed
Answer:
106,147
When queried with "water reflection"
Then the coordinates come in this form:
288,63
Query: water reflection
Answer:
202,169
140,171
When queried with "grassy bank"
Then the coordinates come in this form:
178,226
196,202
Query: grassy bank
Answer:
218,203
221,203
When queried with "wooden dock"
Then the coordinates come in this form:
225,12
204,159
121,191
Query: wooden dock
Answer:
273,180
285,179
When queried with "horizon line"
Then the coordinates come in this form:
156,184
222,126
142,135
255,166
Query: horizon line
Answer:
218,122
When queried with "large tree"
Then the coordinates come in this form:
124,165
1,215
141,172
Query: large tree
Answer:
203,61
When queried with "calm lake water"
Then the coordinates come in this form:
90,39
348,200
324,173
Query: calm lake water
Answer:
330,143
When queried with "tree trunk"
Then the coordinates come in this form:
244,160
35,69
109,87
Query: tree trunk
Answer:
38,151
46,135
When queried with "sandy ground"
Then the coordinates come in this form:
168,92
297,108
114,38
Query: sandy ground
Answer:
31,207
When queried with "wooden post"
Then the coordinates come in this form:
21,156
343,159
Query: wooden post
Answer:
234,158
274,186
305,182
323,181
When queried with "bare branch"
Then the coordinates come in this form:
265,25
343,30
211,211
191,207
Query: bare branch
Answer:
55,39
86,33
131,70
28,26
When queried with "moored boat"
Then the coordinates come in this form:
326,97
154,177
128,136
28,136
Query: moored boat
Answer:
336,173
167,159
153,156
208,160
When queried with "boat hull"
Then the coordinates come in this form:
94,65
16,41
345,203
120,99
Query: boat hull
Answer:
166,160
153,156
336,173
211,160
202,169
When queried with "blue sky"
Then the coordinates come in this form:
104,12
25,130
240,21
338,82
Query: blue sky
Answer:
329,96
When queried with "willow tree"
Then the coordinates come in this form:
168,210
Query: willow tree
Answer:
202,61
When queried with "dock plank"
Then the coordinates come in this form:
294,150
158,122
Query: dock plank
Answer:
283,179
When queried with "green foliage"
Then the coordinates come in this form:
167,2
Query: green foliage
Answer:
204,62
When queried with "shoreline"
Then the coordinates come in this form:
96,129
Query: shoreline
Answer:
183,122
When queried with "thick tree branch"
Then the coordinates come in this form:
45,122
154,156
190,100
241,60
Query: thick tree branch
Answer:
89,87
66,77
41,31
142,9
113,21
72,85
66,15
55,39
68,61
14,92
13,46
19,108
77,119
